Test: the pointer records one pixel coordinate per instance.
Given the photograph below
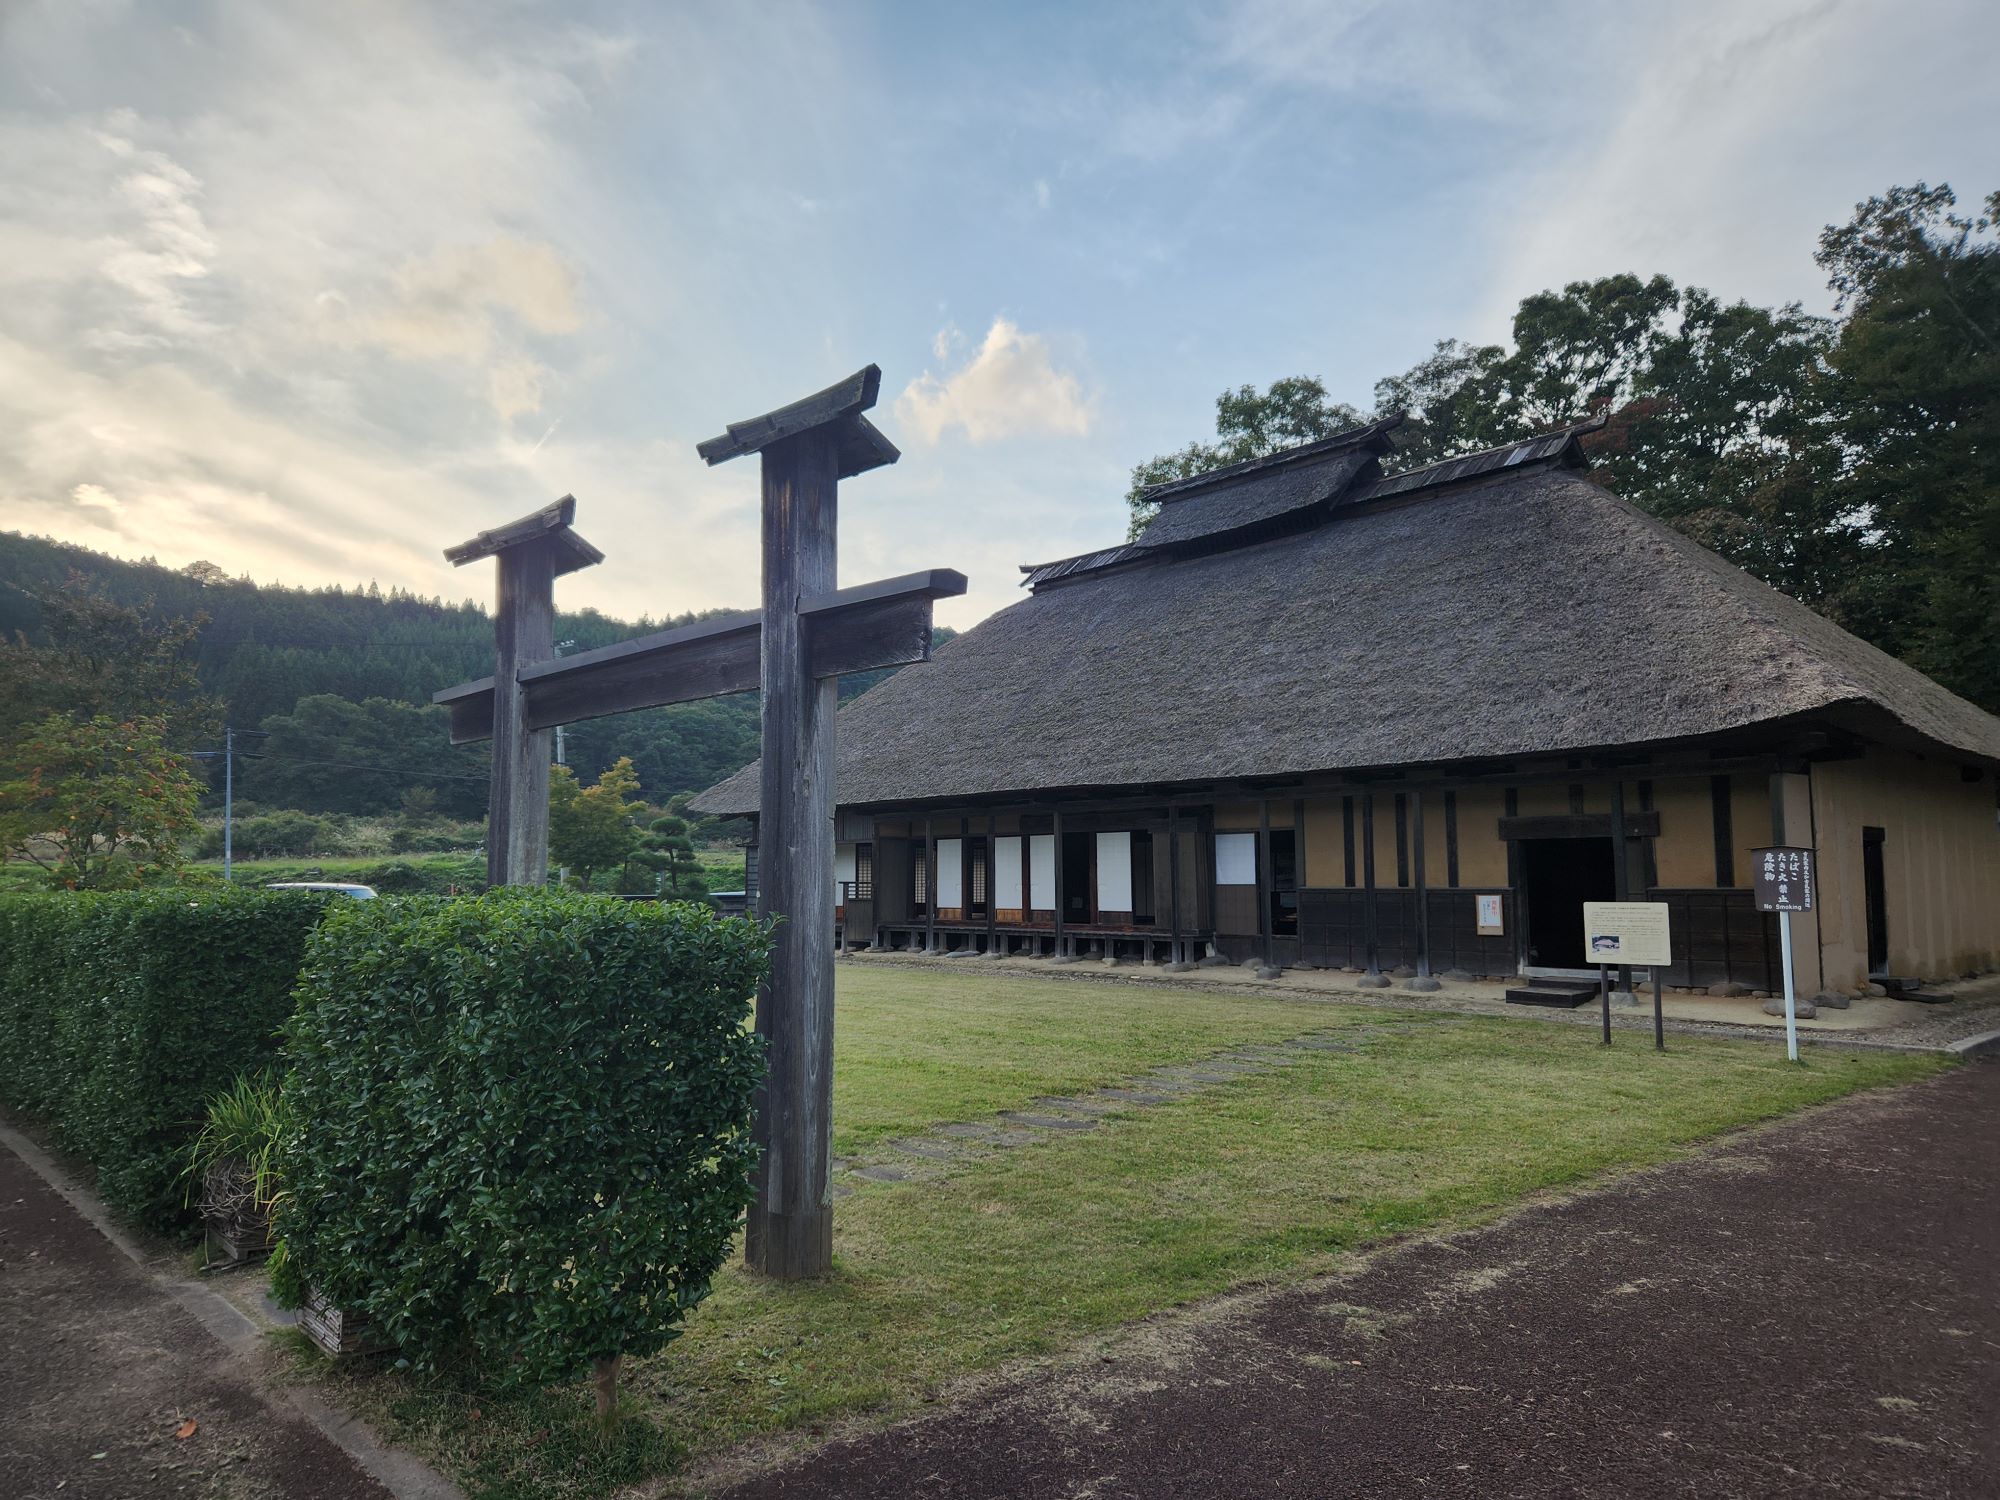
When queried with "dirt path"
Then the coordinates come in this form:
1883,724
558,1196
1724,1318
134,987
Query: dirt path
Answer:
1813,1310
100,1366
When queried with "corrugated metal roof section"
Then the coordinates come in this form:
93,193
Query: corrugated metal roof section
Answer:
1041,573
1175,489
1533,450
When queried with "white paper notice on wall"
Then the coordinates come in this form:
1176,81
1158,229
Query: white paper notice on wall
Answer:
1236,859
951,872
1114,872
1007,873
1042,871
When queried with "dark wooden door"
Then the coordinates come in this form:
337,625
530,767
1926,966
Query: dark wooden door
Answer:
1877,893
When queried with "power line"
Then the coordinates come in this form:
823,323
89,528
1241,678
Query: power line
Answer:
349,765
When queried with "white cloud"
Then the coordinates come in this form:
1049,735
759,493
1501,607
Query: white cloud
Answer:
1737,133
1010,387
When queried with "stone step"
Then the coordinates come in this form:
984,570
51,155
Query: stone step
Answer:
1557,993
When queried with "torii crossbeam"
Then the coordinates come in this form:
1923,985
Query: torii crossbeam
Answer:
807,633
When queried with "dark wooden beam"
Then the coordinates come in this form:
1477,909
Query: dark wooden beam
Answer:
846,630
877,624
1572,826
1264,883
1423,899
1368,884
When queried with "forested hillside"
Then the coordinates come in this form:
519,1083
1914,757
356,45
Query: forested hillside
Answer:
341,678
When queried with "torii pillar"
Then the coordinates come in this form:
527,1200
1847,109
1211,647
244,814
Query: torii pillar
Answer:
807,449
533,552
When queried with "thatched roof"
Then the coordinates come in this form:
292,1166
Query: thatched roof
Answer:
1499,606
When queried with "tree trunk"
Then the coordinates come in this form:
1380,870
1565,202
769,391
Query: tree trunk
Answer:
606,1379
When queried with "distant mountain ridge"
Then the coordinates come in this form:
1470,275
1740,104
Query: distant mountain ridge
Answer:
268,646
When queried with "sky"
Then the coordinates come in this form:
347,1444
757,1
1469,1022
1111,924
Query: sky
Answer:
313,291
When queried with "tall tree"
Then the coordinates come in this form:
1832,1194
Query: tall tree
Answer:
97,803
1915,397
594,828
103,658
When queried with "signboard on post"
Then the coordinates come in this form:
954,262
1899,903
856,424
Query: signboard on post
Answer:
1489,911
1624,935
1784,878
1627,932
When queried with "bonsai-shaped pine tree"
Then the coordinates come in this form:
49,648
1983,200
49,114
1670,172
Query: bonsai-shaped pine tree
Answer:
665,857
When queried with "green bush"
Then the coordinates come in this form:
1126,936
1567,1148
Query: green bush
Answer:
282,833
522,1123
121,1015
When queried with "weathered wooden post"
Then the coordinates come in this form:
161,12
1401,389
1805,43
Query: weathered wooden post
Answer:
807,449
790,1231
533,552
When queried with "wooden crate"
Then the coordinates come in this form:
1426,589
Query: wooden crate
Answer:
239,1239
339,1335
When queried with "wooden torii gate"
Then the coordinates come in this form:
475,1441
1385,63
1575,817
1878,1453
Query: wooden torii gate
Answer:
806,635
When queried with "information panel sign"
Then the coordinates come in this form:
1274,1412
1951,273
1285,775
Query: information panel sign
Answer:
1784,878
1491,919
1626,932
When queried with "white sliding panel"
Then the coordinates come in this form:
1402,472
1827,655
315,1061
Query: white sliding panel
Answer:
1007,873
1042,871
951,872
1114,872
843,866
1236,859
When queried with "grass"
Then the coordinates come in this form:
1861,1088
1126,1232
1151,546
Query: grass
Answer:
1268,1178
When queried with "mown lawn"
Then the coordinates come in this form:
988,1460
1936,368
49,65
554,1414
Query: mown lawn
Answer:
1026,1252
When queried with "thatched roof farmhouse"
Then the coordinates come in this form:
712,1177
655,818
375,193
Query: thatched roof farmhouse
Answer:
1492,675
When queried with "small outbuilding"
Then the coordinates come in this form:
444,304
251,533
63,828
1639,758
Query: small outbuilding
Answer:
1319,714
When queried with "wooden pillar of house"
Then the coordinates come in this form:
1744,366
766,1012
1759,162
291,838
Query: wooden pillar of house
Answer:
1621,875
930,886
1423,980
1174,882
1057,842
1299,879
1208,870
1370,938
992,885
1264,880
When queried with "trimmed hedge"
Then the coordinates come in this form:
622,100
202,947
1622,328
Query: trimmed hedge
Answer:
521,1122
122,1014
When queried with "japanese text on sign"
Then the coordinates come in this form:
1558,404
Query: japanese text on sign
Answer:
1784,879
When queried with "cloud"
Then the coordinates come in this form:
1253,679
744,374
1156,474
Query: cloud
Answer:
1455,57
448,305
1011,387
1736,134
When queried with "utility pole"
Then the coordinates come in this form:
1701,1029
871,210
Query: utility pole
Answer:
228,801
561,759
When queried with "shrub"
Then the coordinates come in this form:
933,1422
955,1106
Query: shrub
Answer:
393,878
284,833
522,1123
122,1014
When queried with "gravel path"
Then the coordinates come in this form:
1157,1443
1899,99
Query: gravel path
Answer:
1810,1310
102,1370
